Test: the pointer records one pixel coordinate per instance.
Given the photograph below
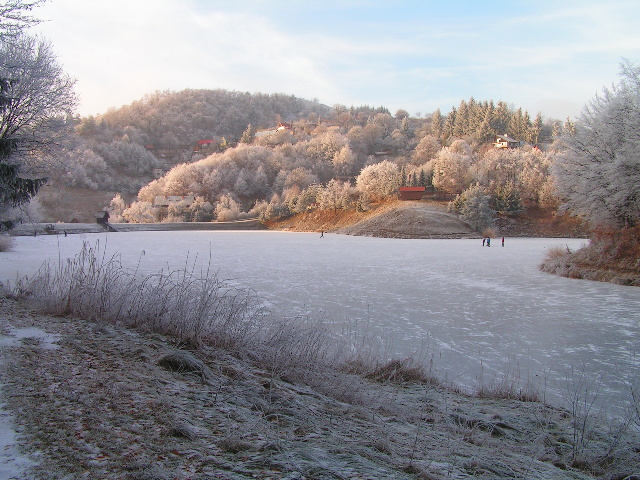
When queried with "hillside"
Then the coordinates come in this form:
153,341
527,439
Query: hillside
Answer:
426,219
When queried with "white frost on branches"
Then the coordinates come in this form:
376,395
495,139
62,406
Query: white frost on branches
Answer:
598,176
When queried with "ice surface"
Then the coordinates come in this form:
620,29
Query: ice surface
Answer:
478,312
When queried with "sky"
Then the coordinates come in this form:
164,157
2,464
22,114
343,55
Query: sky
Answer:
545,56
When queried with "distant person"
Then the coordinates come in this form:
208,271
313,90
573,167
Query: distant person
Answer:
503,241
483,241
489,242
322,234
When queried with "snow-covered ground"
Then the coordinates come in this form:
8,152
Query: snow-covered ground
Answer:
475,311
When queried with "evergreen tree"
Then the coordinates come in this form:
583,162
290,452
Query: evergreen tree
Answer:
460,124
536,129
248,135
474,206
501,118
437,123
422,182
507,200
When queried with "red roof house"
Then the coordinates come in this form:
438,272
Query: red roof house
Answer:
411,193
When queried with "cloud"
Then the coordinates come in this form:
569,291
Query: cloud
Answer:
411,55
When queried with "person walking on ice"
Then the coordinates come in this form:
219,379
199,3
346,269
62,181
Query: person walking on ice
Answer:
503,241
489,242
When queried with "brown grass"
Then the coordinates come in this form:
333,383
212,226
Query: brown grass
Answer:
611,256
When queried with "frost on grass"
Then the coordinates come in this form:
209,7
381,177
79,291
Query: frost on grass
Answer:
101,406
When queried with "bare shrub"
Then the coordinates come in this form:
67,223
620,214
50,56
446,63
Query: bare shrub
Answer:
555,252
611,256
6,243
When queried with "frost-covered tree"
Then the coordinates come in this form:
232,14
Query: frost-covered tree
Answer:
336,195
35,98
248,135
345,162
15,17
379,180
139,212
474,206
427,148
116,208
451,167
598,176
200,210
227,209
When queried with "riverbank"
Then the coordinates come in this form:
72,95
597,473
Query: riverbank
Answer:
104,402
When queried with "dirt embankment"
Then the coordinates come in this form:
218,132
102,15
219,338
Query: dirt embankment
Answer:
426,219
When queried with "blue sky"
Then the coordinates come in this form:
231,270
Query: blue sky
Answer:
545,56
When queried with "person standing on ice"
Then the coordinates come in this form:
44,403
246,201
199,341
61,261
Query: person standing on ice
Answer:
503,241
483,241
489,242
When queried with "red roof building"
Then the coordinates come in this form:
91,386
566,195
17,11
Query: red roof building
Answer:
411,193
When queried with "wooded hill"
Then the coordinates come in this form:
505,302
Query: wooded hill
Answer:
125,149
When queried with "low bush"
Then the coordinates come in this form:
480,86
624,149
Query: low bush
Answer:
6,243
488,233
610,256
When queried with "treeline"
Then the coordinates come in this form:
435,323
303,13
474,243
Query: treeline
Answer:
174,119
272,181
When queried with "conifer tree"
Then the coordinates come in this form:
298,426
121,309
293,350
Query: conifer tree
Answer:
248,135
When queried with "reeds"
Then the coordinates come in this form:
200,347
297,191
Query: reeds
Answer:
194,309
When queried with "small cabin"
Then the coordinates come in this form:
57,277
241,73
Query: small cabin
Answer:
505,141
411,193
102,218
205,146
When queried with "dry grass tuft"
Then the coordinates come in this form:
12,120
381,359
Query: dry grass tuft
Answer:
234,444
6,243
186,363
399,371
405,370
